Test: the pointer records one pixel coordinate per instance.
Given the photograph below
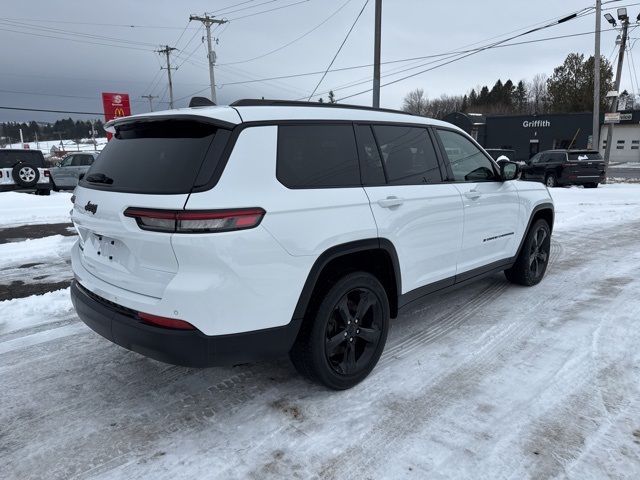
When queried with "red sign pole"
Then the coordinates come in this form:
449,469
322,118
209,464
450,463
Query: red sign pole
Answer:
115,105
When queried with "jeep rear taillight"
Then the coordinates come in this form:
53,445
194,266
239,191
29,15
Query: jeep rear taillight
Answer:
195,221
47,173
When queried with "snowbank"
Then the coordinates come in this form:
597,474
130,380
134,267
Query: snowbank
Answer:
25,209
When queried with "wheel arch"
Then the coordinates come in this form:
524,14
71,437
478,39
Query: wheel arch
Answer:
542,211
377,256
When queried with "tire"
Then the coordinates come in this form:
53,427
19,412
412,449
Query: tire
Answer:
531,264
551,181
54,187
336,348
44,192
590,185
25,174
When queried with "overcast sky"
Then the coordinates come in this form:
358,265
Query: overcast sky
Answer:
411,28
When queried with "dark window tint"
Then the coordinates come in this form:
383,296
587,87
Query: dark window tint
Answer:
9,158
313,156
537,158
585,156
156,157
77,161
557,157
370,161
467,161
408,155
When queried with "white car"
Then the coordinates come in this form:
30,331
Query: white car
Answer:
221,235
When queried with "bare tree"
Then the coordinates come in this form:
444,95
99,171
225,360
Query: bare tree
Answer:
538,94
415,102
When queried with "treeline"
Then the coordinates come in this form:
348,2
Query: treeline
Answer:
569,89
60,129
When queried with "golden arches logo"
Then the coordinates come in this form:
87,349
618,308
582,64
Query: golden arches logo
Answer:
118,112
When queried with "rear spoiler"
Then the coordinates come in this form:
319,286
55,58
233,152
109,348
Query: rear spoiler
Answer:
111,125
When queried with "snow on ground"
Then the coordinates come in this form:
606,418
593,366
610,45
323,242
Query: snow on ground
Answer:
18,208
489,381
605,205
68,145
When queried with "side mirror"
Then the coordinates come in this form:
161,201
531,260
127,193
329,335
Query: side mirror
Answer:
509,170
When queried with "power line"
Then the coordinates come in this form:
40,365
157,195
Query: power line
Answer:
389,62
74,40
267,11
95,24
50,111
21,92
481,49
215,12
340,48
292,41
224,12
69,33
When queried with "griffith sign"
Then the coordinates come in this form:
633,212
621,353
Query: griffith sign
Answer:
115,105
536,123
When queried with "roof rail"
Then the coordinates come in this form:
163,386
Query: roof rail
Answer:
250,102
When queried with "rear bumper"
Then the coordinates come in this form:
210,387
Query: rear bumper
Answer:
18,188
189,348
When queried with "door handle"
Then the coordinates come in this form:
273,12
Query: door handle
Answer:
390,202
473,194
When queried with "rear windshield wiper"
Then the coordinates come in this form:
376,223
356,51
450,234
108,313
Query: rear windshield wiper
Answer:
99,178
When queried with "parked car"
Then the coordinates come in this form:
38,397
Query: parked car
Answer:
223,235
68,171
566,167
23,170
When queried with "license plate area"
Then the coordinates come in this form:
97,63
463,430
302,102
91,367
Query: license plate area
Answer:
105,249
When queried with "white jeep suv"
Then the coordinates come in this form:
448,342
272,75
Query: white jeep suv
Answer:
222,235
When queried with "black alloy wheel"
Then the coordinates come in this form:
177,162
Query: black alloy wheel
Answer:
539,249
533,259
344,332
353,331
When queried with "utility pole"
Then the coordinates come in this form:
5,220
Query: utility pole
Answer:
167,51
595,136
150,98
614,103
376,54
207,21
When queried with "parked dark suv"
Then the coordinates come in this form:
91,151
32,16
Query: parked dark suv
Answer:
23,170
566,167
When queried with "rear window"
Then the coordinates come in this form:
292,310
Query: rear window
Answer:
160,157
317,156
9,159
584,156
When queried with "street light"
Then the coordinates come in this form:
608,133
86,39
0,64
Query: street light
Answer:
610,19
622,14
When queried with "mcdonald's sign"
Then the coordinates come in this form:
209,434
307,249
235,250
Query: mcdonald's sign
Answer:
115,105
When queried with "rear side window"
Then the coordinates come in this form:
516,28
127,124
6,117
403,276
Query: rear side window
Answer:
11,158
161,157
317,156
408,155
588,156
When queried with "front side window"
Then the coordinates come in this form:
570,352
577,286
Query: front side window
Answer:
467,161
66,162
408,155
77,161
317,156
